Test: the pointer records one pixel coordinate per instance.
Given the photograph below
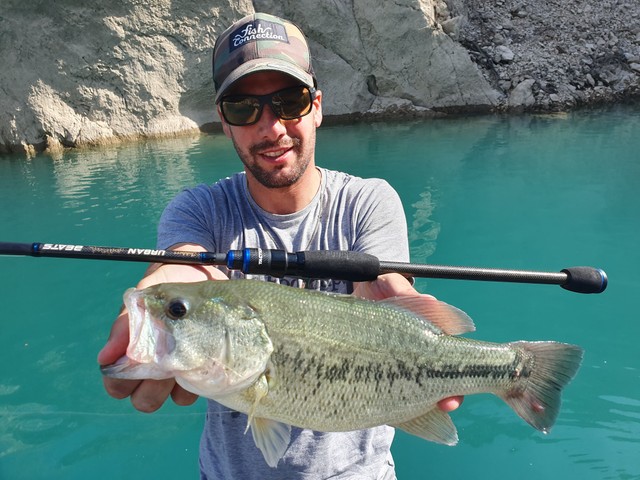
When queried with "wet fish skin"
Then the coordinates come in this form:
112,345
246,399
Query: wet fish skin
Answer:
287,356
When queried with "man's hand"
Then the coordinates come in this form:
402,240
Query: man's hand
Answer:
385,286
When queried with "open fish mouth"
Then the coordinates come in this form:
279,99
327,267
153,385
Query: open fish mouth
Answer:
149,339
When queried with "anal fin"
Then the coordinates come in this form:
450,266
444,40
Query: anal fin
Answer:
435,426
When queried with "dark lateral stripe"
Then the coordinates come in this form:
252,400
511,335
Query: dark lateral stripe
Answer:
469,371
378,372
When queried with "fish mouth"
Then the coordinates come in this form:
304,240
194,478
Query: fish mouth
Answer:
149,340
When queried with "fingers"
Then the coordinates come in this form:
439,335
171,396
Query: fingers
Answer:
150,395
113,350
451,403
117,342
182,397
385,286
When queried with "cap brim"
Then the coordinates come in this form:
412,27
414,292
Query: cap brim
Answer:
262,65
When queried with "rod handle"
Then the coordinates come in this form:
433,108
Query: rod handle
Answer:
585,280
343,264
338,264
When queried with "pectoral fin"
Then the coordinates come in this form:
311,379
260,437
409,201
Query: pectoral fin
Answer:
271,437
435,426
260,390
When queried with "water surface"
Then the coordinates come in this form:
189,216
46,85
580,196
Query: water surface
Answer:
530,192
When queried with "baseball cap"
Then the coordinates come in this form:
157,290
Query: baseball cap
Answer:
260,42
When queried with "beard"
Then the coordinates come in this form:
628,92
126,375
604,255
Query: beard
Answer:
279,176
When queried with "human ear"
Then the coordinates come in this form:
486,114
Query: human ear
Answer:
317,110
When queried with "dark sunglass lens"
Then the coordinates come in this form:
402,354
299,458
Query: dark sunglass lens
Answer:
241,110
292,103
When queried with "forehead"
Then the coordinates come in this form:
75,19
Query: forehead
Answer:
261,83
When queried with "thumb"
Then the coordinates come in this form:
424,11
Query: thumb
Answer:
116,345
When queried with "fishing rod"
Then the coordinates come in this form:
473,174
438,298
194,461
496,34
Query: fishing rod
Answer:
336,264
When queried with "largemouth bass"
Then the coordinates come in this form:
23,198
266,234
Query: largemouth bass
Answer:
327,362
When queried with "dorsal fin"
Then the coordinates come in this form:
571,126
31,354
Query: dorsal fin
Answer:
449,319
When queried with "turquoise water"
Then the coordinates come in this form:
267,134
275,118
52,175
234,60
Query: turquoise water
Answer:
531,192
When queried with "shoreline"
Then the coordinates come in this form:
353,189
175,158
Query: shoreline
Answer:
55,148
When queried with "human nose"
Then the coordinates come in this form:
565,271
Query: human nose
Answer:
271,125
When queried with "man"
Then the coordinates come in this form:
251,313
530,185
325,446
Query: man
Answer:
269,107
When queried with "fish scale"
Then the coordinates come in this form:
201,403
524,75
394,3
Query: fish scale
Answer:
327,362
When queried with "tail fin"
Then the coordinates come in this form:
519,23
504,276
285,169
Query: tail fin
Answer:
552,367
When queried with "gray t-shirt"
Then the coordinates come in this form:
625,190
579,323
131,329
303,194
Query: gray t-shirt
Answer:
347,213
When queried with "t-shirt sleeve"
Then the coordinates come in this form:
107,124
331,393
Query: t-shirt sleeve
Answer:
380,222
188,219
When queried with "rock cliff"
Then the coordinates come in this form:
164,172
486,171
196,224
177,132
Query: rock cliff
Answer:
77,74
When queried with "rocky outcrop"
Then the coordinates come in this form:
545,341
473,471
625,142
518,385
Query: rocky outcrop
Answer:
550,54
77,74
372,56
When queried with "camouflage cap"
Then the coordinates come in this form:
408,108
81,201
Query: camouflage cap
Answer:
260,42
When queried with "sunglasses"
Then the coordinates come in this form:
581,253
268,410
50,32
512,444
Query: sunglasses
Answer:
287,104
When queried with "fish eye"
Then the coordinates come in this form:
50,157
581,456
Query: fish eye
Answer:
176,309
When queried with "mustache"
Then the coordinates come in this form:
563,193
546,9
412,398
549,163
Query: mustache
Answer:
293,142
